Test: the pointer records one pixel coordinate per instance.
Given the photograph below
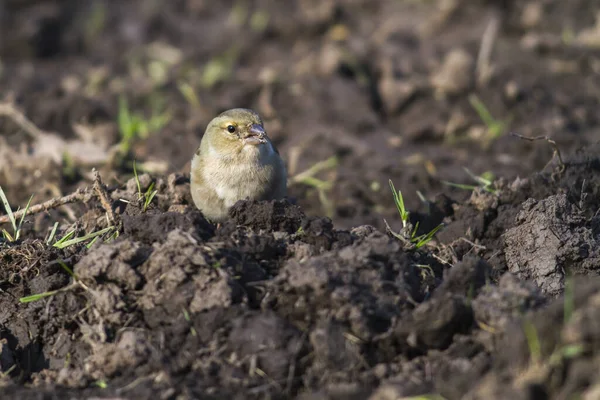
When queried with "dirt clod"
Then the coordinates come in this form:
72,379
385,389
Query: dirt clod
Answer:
551,239
275,215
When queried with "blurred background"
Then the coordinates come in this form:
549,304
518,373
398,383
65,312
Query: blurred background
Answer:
353,92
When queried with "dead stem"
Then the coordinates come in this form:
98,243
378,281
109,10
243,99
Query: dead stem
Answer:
103,197
81,195
552,144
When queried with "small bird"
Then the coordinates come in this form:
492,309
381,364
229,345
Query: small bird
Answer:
235,161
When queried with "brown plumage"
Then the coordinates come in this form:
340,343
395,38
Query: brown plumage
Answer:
235,161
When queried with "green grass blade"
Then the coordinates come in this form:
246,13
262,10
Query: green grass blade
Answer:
18,233
90,244
113,236
127,125
149,197
66,268
137,180
36,297
399,201
64,239
316,183
413,234
83,238
7,236
9,211
426,238
482,111
460,185
479,179
124,118
52,233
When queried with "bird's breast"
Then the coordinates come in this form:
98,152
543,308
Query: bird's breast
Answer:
233,181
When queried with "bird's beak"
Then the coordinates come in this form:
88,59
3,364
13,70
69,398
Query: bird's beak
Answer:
256,135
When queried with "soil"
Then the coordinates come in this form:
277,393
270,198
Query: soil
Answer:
312,297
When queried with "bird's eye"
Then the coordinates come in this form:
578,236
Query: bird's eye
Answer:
231,128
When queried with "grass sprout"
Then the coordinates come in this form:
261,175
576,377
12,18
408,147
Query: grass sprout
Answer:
134,127
148,195
16,233
484,181
399,202
67,240
39,296
64,239
422,240
52,233
409,233
495,128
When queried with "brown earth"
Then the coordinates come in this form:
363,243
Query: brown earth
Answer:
311,298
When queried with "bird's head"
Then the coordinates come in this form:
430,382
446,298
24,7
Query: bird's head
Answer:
236,129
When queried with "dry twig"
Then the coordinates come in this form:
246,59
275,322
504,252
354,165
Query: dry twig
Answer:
552,144
103,197
81,195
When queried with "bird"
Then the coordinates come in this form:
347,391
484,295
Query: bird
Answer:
235,161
